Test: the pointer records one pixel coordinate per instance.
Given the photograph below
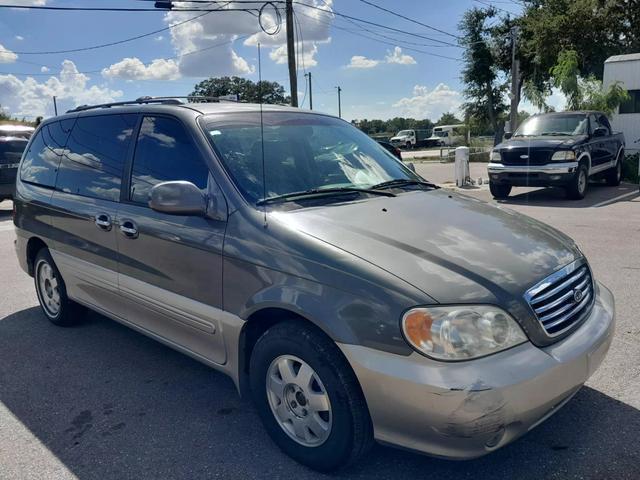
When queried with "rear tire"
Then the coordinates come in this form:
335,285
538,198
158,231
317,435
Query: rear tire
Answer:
283,400
499,191
613,176
52,292
577,189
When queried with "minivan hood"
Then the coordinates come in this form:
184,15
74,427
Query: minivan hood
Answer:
452,247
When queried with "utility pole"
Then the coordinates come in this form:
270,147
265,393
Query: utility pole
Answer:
515,74
310,91
291,55
339,102
55,106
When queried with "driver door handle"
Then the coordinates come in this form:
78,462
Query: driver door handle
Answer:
128,228
103,221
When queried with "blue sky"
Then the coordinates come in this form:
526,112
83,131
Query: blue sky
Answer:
378,80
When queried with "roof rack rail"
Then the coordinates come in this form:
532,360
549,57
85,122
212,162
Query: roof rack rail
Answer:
148,100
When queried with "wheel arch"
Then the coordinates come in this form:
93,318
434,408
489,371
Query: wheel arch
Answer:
34,245
256,324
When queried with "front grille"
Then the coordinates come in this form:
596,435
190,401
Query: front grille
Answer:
513,156
563,299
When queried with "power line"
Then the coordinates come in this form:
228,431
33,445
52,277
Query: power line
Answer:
393,44
409,19
125,9
334,12
117,42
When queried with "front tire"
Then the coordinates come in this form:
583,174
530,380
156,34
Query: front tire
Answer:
308,398
577,189
52,292
499,191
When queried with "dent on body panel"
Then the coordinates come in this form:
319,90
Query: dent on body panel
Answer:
268,267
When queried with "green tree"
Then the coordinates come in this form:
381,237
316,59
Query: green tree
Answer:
248,91
484,87
584,93
448,118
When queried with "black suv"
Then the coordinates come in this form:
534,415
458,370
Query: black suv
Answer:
13,141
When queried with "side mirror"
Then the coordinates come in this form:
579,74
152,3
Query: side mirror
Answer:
508,135
178,198
600,132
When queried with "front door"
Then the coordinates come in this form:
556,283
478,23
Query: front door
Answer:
170,265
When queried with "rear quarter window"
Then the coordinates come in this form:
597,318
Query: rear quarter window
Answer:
40,163
95,154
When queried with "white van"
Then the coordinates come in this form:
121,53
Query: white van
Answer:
447,135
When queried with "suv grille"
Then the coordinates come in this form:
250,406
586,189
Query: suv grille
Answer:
563,299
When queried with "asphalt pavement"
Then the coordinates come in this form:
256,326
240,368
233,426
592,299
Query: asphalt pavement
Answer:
100,401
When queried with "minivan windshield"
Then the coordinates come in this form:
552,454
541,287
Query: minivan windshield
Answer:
302,153
540,125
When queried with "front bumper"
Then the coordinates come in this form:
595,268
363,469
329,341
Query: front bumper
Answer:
467,409
534,175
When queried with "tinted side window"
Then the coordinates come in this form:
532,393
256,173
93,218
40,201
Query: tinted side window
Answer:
164,152
95,155
41,160
632,105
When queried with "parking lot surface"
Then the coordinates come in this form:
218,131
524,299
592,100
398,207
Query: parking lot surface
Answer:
100,401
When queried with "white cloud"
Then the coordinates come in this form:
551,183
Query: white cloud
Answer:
358,61
427,103
306,60
216,33
19,38
30,98
398,57
159,38
7,56
44,69
25,2
132,68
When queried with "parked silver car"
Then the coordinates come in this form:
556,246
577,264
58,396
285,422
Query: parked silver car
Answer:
349,297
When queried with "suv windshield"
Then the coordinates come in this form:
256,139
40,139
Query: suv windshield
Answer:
404,133
553,125
302,152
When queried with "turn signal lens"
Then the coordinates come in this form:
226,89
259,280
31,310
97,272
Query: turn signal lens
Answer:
563,156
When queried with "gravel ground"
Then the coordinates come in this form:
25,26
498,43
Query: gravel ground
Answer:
100,401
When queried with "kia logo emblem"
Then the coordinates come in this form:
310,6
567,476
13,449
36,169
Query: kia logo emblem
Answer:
577,295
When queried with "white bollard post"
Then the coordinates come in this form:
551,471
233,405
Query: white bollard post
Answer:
462,166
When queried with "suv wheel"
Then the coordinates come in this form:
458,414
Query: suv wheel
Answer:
577,189
308,398
614,175
52,293
499,190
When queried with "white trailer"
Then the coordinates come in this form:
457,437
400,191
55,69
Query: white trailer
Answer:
626,119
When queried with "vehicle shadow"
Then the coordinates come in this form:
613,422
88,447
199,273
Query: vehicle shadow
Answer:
599,194
111,403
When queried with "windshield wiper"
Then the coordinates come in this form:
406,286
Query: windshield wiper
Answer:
555,134
315,192
403,182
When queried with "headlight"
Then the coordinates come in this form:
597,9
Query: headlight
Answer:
495,156
460,332
564,155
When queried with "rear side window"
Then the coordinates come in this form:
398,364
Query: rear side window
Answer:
96,151
41,161
164,152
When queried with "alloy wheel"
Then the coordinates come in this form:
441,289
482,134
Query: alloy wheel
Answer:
299,400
